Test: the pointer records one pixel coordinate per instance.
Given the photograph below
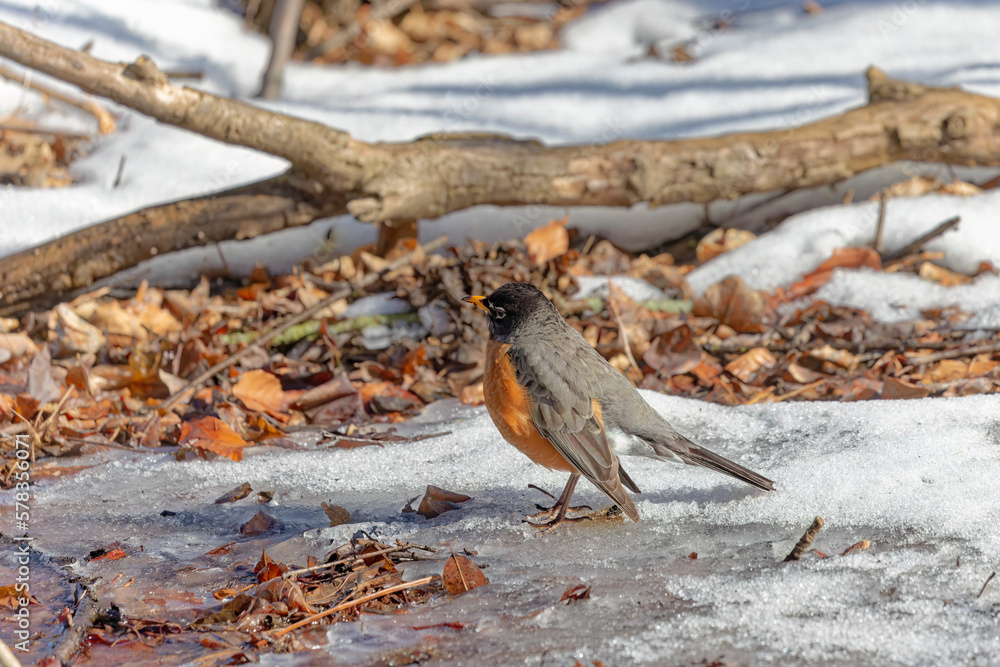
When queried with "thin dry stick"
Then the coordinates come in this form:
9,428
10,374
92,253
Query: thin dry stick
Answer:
105,121
461,575
287,323
992,346
806,540
919,243
985,584
353,603
323,566
624,335
880,227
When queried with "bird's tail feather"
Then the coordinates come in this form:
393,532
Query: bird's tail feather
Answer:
703,457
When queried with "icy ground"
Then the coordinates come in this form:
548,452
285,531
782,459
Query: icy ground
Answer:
917,478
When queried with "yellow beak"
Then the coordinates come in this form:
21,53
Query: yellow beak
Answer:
478,300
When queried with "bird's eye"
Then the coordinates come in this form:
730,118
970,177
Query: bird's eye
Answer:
499,313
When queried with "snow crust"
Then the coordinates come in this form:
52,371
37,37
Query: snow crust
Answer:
917,478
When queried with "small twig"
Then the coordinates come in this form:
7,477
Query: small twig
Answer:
105,121
919,243
991,346
806,540
121,170
985,584
84,615
354,603
879,228
386,11
357,557
624,336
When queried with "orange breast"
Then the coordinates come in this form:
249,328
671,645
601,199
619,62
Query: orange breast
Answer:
509,406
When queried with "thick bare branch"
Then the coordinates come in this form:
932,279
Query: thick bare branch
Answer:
78,259
444,173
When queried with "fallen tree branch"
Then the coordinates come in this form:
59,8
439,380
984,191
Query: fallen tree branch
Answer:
430,177
916,245
105,121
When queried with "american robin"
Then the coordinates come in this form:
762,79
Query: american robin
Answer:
559,402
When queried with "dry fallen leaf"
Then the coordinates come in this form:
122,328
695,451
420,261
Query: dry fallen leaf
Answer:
438,501
720,241
548,242
942,276
734,304
260,523
240,492
746,365
261,391
893,388
461,574
842,258
575,594
212,434
338,515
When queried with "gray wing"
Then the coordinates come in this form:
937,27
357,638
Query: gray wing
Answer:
563,388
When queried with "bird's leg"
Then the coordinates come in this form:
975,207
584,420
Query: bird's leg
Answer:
555,515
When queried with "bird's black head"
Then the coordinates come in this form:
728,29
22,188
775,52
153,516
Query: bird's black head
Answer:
510,306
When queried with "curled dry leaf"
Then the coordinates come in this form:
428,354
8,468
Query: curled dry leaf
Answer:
76,335
338,515
674,353
842,258
575,594
461,574
720,241
239,493
473,394
748,364
17,345
897,389
942,276
212,435
437,501
261,391
734,304
841,358
286,591
548,242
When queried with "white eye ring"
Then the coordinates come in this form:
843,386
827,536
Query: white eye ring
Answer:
499,313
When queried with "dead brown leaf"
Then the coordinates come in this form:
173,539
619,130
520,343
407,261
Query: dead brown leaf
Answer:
212,435
338,515
548,242
240,492
842,258
747,365
734,304
719,241
461,574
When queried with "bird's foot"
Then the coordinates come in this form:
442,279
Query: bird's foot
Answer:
550,517
550,524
